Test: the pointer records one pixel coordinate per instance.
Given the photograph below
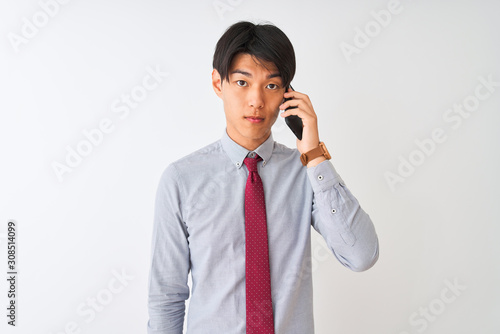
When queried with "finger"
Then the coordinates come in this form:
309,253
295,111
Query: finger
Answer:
294,105
298,96
294,111
288,104
292,93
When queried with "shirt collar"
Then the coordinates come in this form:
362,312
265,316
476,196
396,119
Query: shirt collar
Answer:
238,153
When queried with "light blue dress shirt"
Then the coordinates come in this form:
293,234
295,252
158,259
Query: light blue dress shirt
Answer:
199,226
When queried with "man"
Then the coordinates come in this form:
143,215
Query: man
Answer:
238,212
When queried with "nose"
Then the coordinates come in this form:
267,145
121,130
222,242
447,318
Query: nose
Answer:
256,98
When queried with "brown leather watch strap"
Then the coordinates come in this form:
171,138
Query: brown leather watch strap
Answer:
314,153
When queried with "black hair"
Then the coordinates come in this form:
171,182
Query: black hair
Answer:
263,41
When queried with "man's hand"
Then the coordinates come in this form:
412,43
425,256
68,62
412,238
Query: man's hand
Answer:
305,110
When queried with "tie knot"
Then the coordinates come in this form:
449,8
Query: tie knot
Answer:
251,163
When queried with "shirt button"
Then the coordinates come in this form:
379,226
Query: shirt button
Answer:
320,177
238,164
252,154
263,163
333,210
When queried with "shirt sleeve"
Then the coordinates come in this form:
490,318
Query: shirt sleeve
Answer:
168,276
339,218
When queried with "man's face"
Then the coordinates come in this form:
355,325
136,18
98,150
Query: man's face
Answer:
251,99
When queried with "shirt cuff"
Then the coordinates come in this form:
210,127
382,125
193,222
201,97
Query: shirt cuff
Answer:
323,176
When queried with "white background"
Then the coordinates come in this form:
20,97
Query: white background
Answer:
74,236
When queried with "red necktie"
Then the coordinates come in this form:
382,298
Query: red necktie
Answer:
259,305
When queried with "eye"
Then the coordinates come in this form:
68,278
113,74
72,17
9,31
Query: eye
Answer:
243,83
274,86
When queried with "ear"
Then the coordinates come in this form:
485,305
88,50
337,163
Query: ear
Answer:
217,83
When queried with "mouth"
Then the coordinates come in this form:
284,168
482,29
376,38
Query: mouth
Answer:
255,119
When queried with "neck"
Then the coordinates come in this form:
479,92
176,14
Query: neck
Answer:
249,143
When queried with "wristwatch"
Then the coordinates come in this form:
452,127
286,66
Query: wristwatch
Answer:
314,153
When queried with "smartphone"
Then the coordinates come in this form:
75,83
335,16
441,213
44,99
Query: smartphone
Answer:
294,122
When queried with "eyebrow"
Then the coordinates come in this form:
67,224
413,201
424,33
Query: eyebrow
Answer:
247,74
